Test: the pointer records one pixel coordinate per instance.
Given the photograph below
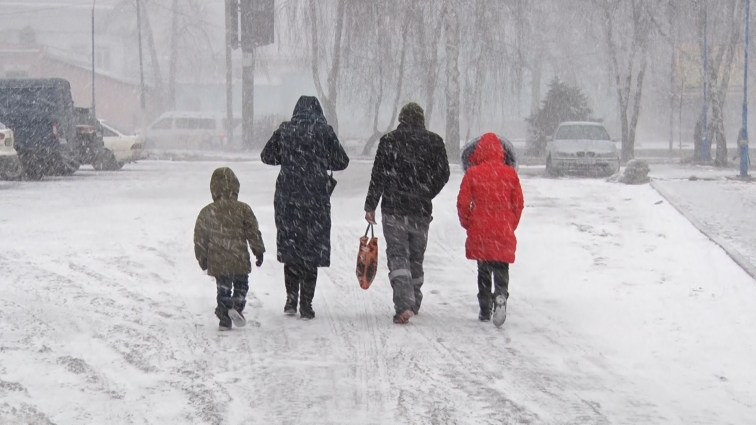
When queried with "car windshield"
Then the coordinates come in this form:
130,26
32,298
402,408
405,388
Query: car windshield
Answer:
114,128
582,132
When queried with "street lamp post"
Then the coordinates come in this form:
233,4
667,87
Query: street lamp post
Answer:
705,154
743,138
93,58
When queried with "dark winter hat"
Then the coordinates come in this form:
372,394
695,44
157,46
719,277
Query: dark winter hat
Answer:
224,184
413,115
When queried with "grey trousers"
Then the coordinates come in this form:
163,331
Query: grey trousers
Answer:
406,241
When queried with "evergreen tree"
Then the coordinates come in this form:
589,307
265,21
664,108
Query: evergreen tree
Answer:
562,103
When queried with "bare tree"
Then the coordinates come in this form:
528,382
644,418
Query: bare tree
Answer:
173,61
452,79
725,18
398,89
329,99
628,58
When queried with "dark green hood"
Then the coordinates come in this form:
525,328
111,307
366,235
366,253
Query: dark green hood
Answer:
224,184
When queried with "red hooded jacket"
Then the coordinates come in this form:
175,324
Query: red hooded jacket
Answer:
490,204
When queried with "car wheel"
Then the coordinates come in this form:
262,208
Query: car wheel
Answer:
66,164
13,171
550,170
105,161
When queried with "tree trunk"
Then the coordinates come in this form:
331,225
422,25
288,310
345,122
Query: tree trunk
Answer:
432,70
399,88
718,106
535,86
156,74
452,81
174,56
628,153
333,75
329,100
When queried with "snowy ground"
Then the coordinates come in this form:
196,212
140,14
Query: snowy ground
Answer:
621,313
723,205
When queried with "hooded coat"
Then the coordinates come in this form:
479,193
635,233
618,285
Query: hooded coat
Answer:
306,148
510,157
224,228
490,204
410,168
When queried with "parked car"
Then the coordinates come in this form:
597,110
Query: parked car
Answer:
188,130
125,148
582,146
41,114
10,165
90,146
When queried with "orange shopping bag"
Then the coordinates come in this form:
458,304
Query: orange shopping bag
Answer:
367,258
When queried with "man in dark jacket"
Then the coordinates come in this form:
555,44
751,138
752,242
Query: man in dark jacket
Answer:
306,148
221,234
410,169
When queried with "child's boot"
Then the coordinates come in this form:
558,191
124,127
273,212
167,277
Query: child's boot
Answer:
500,310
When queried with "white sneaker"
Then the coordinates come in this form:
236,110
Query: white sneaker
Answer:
500,311
237,318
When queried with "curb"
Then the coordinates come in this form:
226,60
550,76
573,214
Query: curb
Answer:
733,253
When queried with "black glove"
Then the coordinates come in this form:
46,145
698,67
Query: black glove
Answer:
259,260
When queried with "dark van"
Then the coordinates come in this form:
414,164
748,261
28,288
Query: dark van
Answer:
41,114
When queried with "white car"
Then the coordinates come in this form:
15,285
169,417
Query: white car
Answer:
582,146
125,148
10,165
188,130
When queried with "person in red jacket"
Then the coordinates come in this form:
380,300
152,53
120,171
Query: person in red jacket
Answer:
490,205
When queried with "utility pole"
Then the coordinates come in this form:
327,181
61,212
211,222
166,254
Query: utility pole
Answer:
257,29
743,139
705,154
142,100
94,115
672,94
232,42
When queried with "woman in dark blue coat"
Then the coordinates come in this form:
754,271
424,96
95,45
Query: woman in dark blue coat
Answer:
306,148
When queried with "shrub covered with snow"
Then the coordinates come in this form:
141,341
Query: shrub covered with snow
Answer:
636,172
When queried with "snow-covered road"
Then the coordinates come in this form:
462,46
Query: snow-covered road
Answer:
620,313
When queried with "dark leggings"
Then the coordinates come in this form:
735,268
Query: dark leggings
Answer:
491,272
302,276
232,293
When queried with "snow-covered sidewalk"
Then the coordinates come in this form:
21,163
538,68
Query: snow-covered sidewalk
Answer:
722,207
621,312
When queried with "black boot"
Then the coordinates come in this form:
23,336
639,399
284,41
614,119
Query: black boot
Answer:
306,312
308,292
291,305
292,279
484,315
225,323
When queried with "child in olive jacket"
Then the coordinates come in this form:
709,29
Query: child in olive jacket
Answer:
221,234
